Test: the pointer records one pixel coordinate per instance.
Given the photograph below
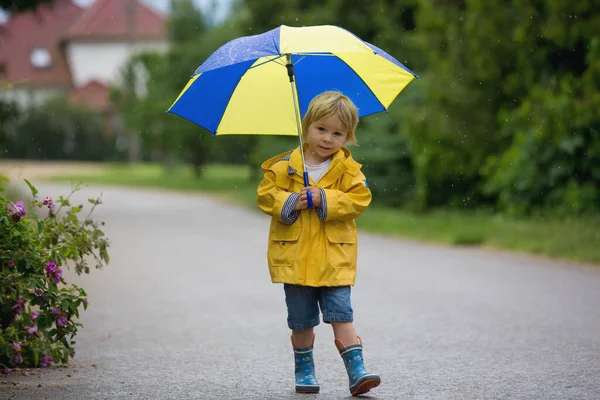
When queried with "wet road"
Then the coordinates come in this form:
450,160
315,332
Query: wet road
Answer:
186,310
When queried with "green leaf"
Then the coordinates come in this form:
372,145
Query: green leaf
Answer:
40,225
36,357
44,322
34,191
104,255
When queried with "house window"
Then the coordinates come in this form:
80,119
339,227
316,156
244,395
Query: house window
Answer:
40,57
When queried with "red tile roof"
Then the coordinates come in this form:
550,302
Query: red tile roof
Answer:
50,27
108,20
44,29
94,95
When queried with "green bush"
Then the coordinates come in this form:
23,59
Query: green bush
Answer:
38,308
58,130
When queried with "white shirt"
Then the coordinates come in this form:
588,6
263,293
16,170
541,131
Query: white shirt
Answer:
316,172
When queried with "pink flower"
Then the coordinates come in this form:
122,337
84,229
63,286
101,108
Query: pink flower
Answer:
17,211
18,358
11,263
34,315
17,346
32,330
55,310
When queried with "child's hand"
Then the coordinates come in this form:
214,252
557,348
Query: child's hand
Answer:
301,203
316,195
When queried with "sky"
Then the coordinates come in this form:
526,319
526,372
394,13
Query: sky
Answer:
162,6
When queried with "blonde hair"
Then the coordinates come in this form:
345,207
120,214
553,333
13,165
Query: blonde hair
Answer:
331,103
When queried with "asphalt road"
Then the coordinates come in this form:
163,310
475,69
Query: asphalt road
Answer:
186,310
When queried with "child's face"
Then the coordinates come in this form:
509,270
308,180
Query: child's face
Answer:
325,137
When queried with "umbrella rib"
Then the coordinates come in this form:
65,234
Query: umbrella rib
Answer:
302,58
276,59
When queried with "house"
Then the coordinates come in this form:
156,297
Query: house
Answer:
64,49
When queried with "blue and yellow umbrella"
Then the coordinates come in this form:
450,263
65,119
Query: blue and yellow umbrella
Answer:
262,84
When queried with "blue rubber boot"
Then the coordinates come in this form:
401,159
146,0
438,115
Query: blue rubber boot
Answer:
306,381
360,380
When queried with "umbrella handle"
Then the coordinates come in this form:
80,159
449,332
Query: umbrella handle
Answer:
308,194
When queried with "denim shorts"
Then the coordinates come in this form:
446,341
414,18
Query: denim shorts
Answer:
303,304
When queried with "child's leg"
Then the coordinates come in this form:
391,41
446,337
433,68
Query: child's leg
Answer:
337,310
303,312
303,316
302,339
345,332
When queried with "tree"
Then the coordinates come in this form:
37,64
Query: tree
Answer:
384,148
508,88
502,115
192,42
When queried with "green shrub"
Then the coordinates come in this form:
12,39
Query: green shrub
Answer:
38,308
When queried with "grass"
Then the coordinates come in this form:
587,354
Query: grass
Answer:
575,239
228,182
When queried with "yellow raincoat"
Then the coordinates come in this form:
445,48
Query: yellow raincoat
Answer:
319,248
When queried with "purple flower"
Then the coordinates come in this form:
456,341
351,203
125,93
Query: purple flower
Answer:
18,358
34,315
53,271
48,202
17,346
55,310
51,267
32,330
6,371
45,361
40,293
57,275
11,263
19,305
62,320
17,211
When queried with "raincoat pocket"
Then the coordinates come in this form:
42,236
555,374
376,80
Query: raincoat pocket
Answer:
283,246
341,246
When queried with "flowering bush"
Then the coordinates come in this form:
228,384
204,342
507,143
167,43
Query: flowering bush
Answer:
38,309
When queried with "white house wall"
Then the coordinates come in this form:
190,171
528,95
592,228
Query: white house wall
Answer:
103,61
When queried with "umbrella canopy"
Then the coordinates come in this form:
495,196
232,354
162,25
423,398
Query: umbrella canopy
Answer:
244,87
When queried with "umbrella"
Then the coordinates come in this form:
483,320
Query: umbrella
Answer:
263,84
